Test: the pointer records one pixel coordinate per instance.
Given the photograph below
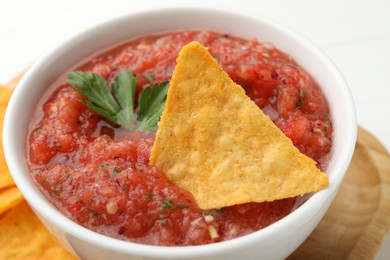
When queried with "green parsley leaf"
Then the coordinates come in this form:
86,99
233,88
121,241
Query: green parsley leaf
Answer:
116,102
124,91
151,105
99,97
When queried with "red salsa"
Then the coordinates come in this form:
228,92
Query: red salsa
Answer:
98,174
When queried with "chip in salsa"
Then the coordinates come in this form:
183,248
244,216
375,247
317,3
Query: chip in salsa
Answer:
216,143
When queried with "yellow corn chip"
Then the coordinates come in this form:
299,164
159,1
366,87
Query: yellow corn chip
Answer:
5,176
216,143
5,94
22,236
9,198
6,179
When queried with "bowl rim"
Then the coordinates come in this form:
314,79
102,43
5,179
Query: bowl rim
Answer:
48,211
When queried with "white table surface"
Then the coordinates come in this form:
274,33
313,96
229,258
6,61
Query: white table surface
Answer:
354,33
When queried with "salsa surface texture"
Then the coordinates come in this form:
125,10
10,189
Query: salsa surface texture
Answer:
98,174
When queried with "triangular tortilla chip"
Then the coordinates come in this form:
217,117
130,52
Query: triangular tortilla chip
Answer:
22,236
9,198
215,142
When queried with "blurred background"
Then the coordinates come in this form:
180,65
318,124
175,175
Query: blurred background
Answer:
354,33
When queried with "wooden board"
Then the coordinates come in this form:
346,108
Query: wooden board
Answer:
358,220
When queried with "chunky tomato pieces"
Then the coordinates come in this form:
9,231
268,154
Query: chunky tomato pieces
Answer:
98,174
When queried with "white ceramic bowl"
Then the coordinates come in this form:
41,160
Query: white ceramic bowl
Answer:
273,242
